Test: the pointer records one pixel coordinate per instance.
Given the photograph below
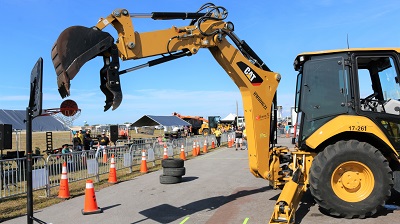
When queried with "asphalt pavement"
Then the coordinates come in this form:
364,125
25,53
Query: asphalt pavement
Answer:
217,188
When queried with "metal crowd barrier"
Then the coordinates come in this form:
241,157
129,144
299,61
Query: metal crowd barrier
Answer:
81,165
13,178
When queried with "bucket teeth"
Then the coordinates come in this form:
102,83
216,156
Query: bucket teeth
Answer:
74,47
63,82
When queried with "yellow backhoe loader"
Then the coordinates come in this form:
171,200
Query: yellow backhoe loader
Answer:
200,125
347,103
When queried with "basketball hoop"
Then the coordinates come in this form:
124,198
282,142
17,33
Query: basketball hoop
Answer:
66,114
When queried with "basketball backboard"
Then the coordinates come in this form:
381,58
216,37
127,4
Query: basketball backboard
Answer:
35,100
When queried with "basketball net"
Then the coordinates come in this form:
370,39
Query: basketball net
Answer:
67,116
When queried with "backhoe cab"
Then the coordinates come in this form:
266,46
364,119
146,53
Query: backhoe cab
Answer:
347,103
349,115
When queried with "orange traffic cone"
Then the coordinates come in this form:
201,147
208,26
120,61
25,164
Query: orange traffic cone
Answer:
143,166
112,176
105,156
229,141
182,155
197,148
90,200
165,156
64,189
194,151
212,144
205,146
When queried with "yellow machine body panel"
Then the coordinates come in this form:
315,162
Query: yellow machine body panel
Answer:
346,123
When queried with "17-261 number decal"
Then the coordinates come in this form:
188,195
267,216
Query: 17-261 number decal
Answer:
358,128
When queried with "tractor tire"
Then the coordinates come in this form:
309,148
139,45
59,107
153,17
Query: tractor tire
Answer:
206,131
176,172
169,179
172,163
350,179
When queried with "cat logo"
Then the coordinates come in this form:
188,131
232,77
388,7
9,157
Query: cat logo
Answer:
261,117
251,75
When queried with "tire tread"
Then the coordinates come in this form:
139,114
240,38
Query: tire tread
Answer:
342,148
172,163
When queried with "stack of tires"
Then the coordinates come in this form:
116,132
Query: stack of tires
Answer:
173,170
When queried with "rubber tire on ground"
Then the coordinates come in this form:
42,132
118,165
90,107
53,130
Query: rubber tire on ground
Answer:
206,131
172,163
334,155
164,179
176,172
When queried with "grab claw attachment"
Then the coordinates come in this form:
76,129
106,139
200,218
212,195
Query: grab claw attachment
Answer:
77,45
110,84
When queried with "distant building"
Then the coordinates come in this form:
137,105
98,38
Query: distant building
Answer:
42,123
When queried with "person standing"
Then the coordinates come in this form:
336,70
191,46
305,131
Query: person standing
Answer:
244,138
88,141
218,134
80,136
239,138
102,144
104,140
77,142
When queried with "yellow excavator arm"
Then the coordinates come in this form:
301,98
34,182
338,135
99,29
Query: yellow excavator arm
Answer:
257,83
76,45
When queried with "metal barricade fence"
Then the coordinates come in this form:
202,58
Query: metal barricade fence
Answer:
86,164
136,147
13,176
76,163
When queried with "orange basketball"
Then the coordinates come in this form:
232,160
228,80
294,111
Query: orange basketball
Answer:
68,108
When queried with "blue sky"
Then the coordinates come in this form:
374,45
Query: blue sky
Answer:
276,30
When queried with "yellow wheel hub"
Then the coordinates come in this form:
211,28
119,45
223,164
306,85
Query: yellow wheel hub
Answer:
352,181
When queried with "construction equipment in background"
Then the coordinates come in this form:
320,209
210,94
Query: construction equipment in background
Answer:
200,125
232,121
214,123
347,104
240,121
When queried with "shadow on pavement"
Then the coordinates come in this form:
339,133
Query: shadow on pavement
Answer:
166,213
304,207
188,179
111,206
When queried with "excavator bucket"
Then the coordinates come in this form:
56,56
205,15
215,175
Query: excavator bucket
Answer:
74,47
